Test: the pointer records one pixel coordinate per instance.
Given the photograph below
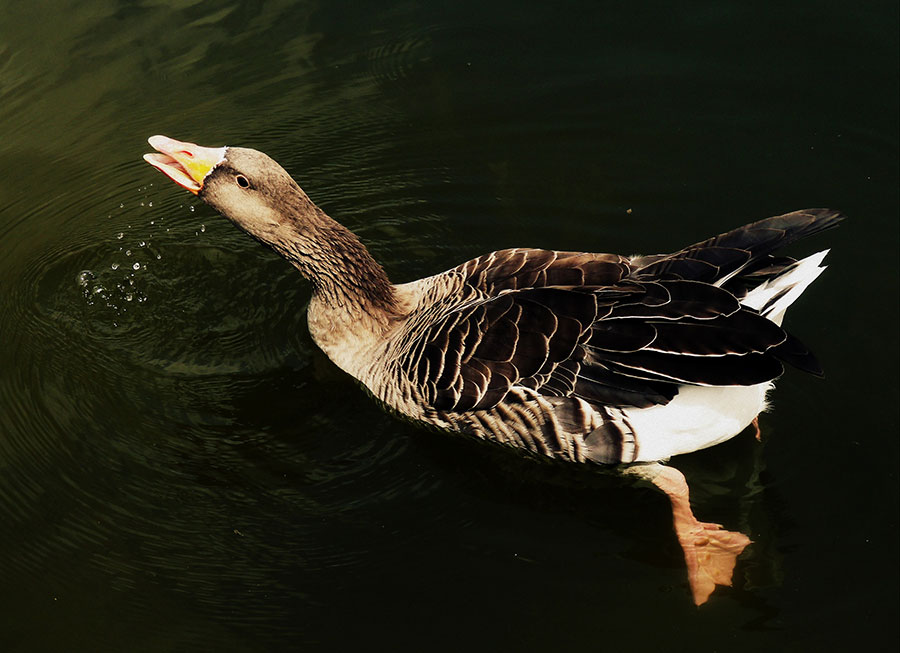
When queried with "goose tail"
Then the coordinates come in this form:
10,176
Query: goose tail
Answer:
773,297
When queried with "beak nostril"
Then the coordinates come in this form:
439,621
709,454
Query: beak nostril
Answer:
187,153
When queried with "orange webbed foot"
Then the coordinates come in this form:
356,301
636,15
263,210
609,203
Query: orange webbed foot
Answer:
710,551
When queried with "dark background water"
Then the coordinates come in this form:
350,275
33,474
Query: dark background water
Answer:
180,469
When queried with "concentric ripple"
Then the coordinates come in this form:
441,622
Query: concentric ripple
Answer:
159,389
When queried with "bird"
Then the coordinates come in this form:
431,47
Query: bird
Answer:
583,357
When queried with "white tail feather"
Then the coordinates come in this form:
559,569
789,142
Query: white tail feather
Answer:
773,297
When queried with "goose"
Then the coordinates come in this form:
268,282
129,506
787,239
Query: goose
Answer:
584,357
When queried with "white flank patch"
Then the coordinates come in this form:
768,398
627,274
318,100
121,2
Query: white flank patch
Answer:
698,417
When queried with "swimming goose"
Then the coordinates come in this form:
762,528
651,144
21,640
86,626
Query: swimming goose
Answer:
589,358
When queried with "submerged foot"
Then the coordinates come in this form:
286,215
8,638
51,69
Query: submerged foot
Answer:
710,552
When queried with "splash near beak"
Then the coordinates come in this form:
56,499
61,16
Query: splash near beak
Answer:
186,164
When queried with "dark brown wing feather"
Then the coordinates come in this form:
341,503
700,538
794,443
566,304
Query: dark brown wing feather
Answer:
610,330
717,257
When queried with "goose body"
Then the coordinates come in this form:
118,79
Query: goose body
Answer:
417,367
577,356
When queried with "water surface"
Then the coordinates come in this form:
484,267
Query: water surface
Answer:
183,470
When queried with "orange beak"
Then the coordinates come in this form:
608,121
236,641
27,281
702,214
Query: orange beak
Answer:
186,164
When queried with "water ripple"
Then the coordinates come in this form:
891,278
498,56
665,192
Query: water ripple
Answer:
168,402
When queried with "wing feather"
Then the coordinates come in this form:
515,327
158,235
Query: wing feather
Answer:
608,329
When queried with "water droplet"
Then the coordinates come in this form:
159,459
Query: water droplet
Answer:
150,204
120,235
202,228
158,256
136,266
84,277
121,205
114,266
192,209
142,204
97,289
128,297
153,222
142,244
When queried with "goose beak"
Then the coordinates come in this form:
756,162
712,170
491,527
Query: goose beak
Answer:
186,164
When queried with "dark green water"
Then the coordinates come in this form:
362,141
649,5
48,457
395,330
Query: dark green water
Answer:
181,470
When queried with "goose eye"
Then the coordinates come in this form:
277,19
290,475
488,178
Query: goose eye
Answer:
242,181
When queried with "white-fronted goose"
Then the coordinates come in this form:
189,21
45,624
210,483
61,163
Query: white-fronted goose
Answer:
577,356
